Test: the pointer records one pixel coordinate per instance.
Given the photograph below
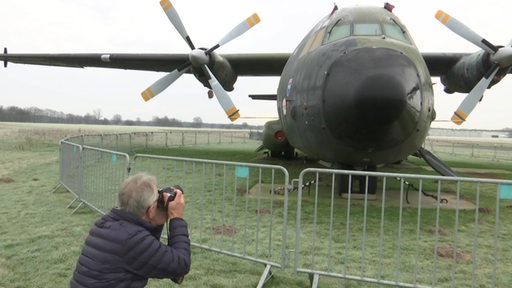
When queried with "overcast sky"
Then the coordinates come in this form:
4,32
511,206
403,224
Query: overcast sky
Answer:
135,26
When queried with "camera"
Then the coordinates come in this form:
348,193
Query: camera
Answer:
161,203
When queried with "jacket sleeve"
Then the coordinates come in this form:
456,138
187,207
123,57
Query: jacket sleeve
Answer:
147,257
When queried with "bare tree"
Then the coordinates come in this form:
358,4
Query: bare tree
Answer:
97,113
197,122
117,119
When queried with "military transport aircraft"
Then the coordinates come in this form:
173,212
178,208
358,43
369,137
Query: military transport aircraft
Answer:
355,93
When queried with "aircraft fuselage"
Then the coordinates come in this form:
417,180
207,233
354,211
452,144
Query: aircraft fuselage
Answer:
356,91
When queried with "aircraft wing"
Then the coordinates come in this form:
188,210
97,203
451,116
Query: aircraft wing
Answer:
439,63
264,64
254,64
251,64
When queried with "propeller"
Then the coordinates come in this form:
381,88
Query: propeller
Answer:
501,57
222,96
199,58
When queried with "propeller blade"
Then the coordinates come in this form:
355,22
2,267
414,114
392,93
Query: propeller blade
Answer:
469,103
172,14
222,96
161,84
465,32
240,29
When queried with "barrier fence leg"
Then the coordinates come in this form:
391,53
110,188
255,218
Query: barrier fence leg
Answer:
313,280
267,274
72,201
79,205
56,187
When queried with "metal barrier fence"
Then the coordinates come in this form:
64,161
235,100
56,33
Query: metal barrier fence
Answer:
103,173
458,237
232,207
92,175
399,238
70,168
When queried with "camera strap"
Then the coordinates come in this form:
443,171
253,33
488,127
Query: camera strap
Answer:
178,280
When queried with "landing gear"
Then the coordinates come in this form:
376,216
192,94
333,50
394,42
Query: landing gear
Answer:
347,183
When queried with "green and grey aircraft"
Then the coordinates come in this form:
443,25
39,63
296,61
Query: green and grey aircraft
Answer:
356,92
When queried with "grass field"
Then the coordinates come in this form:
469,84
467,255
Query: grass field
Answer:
40,240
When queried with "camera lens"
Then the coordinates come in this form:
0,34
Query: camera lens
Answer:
172,196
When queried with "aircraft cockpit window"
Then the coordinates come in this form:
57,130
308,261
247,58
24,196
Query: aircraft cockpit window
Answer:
338,31
367,29
342,30
396,32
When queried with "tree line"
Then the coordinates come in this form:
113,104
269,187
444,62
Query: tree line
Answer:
38,115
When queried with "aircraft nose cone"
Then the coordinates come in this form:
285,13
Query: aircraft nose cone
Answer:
367,95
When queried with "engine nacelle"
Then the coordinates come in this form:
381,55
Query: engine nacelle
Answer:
466,73
274,140
222,70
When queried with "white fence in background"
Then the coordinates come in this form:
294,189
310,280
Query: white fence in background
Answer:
453,234
494,149
139,141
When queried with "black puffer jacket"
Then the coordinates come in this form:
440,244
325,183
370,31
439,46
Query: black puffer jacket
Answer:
123,250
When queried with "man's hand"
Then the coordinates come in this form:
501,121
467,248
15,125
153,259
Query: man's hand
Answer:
176,207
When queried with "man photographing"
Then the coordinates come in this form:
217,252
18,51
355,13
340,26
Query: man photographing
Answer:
123,248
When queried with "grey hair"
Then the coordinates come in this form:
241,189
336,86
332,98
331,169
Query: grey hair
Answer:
137,193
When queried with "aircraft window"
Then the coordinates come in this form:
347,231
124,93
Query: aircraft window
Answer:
343,30
394,31
367,29
314,42
338,31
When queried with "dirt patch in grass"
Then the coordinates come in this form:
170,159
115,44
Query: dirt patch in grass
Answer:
227,230
263,211
483,173
450,253
6,180
485,210
440,231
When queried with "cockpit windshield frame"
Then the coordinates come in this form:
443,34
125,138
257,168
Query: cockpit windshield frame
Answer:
343,29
